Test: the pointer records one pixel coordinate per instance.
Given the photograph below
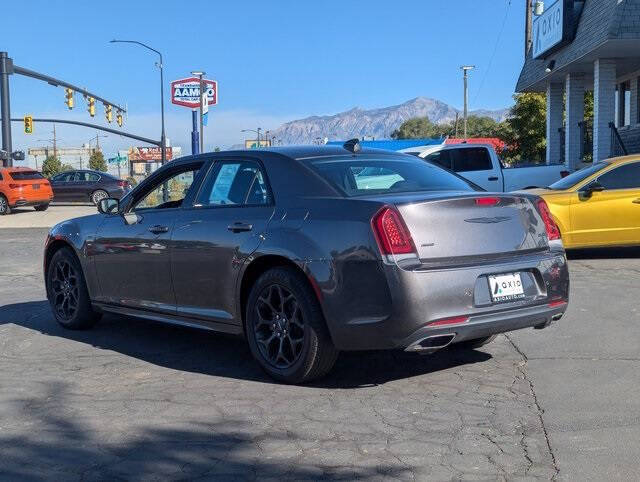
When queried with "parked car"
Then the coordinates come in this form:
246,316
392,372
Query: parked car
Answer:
21,186
85,185
480,164
598,206
289,247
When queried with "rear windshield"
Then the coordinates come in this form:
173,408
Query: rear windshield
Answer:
577,177
358,177
25,175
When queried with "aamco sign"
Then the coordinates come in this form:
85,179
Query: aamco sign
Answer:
186,92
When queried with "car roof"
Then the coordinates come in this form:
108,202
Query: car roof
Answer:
298,152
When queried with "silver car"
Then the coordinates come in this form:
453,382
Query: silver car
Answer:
308,251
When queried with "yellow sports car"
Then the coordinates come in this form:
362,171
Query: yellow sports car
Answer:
598,206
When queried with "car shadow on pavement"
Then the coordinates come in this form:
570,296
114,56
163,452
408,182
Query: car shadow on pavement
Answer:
604,253
215,354
63,443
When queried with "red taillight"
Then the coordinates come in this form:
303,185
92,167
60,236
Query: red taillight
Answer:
122,183
556,304
564,173
487,201
553,232
392,234
450,321
15,186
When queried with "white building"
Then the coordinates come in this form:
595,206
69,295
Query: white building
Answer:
577,46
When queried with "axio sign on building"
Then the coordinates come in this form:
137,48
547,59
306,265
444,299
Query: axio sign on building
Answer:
551,28
186,92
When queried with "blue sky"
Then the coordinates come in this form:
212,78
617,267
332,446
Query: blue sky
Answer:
274,60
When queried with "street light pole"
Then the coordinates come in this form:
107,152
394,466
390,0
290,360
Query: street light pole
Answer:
466,69
163,138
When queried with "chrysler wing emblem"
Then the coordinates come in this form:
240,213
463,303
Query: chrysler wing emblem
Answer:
497,219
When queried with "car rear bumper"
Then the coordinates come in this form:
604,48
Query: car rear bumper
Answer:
21,202
418,298
426,338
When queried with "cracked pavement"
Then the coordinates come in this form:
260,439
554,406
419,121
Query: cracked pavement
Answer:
134,399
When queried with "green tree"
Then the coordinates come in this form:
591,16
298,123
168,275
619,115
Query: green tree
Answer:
51,166
524,131
417,128
423,128
97,162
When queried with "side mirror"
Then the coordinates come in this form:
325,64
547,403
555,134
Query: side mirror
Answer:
108,206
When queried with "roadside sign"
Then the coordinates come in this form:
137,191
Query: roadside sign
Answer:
186,92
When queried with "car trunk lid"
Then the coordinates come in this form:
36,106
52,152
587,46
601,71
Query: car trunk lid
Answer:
473,226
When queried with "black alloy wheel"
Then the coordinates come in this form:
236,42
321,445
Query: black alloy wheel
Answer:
286,329
279,326
67,291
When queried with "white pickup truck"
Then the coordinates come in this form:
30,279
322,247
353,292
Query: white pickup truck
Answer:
480,164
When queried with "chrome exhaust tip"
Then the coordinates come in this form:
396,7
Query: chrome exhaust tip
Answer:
431,343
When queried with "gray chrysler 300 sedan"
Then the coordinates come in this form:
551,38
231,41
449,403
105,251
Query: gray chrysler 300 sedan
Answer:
307,251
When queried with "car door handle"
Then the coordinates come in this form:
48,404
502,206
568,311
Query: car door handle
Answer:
157,229
240,227
636,201
492,178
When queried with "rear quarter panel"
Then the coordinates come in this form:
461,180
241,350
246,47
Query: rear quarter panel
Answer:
334,245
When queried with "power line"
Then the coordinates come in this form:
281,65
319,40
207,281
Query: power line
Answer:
495,50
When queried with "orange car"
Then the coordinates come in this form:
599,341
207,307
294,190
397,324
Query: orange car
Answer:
21,186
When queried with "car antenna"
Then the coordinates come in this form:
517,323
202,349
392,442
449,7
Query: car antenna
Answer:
352,145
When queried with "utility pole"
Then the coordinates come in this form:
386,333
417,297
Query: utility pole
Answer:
455,135
55,142
465,70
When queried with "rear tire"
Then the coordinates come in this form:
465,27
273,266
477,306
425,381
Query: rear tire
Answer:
67,292
4,206
475,343
285,328
98,195
41,207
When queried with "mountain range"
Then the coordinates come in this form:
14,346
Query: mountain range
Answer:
377,123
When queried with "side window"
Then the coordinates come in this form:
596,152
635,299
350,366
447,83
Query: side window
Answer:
442,158
178,185
67,176
82,176
623,177
234,183
92,177
471,159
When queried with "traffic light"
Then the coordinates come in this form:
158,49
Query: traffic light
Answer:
91,107
119,118
108,112
68,93
28,124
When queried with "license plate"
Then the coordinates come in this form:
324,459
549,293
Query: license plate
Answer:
36,186
506,287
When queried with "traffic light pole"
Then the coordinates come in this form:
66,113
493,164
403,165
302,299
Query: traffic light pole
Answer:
93,126
6,69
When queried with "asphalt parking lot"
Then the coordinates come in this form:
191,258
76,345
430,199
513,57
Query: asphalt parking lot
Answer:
133,399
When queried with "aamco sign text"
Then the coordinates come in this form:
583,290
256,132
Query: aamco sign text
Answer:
186,92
